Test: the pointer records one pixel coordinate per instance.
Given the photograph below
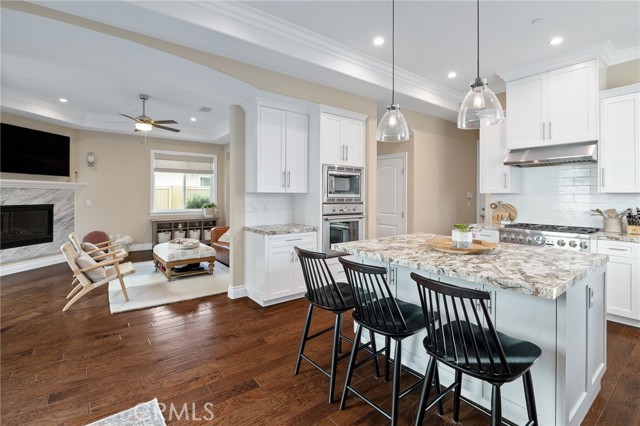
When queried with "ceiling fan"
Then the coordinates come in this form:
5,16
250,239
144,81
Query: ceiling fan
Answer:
145,124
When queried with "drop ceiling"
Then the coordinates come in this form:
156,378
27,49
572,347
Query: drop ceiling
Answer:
328,42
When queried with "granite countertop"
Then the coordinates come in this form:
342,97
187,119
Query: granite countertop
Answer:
537,271
614,236
289,228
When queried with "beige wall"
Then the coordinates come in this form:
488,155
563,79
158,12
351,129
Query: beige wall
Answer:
441,169
623,74
118,186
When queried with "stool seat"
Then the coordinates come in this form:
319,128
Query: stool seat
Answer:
333,297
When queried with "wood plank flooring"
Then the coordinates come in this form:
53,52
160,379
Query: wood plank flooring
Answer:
209,361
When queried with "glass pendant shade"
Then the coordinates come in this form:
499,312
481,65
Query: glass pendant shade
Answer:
393,127
143,127
480,107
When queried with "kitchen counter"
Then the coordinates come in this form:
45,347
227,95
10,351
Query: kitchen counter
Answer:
535,271
290,228
552,297
614,236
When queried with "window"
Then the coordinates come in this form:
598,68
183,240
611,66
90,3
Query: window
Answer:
181,181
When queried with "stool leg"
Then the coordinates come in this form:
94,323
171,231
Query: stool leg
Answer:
456,396
395,396
436,378
426,389
387,353
530,398
496,406
334,355
352,362
373,348
303,342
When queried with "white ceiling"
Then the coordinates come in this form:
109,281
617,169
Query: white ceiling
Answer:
329,42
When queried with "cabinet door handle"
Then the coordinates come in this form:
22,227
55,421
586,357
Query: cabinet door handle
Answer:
347,150
291,253
343,154
618,249
549,130
543,130
284,179
505,180
289,179
602,177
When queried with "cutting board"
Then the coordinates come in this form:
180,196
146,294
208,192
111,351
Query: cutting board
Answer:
477,246
504,211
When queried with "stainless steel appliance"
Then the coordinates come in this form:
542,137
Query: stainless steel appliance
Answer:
565,237
342,184
342,223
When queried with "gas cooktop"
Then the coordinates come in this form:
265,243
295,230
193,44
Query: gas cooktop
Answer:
551,228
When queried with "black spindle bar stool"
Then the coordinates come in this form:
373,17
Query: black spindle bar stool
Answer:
377,310
325,293
460,334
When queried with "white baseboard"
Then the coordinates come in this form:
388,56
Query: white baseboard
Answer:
27,265
623,320
141,247
237,292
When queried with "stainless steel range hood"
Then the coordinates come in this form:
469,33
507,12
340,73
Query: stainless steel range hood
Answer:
584,152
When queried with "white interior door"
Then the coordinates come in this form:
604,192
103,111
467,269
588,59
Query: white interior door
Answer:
392,195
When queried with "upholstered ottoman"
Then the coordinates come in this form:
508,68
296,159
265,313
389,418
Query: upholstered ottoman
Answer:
168,256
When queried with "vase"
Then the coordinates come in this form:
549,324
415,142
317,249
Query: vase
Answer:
209,212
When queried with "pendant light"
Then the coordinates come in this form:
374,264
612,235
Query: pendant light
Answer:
393,127
480,107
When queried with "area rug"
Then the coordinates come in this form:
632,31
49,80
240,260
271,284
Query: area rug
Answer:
144,414
148,288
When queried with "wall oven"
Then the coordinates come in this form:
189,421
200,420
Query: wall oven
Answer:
342,223
342,184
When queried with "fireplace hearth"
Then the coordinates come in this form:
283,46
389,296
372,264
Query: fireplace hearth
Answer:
25,225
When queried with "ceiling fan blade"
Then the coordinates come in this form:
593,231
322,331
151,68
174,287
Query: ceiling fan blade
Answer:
128,116
165,121
166,128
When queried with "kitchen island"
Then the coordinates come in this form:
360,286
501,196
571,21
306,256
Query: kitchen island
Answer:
551,297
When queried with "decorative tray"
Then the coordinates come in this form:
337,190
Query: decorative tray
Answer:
183,243
477,246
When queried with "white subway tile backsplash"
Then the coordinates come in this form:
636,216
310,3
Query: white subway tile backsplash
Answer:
564,195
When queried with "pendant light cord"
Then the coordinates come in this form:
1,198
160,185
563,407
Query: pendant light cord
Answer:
478,38
393,52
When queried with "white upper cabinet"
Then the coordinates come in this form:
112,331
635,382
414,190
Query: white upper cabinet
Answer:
276,150
553,108
342,140
493,175
619,146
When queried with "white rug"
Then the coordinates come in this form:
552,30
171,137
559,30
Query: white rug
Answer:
148,288
143,414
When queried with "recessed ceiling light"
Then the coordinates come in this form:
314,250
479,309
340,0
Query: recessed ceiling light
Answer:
537,21
555,41
378,41
452,74
193,119
63,100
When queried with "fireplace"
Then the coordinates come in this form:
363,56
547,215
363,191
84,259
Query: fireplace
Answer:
25,225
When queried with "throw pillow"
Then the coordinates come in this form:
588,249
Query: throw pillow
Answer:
226,237
89,247
86,261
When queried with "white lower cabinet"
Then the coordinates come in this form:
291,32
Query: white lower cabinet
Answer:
623,281
272,270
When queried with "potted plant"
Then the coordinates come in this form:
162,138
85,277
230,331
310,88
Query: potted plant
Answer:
461,236
209,209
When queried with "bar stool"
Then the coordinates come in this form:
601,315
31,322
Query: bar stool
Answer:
468,342
325,293
378,311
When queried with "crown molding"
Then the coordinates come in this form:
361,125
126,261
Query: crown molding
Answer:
603,52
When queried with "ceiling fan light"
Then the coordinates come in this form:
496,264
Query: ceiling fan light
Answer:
393,127
480,107
143,127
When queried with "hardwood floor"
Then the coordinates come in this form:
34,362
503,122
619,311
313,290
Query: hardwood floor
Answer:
227,359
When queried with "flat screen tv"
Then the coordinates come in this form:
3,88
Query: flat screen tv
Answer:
33,152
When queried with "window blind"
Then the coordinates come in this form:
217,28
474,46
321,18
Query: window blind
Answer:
181,163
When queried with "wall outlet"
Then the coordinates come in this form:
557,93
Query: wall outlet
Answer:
251,209
469,194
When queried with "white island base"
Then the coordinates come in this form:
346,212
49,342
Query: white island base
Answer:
570,330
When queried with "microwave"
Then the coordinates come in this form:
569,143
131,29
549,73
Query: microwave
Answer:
342,184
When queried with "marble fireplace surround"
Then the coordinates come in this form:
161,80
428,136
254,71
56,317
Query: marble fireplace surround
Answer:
62,196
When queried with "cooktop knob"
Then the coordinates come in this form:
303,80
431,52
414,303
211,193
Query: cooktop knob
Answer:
512,237
572,243
520,238
540,240
504,237
583,245
528,240
561,243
